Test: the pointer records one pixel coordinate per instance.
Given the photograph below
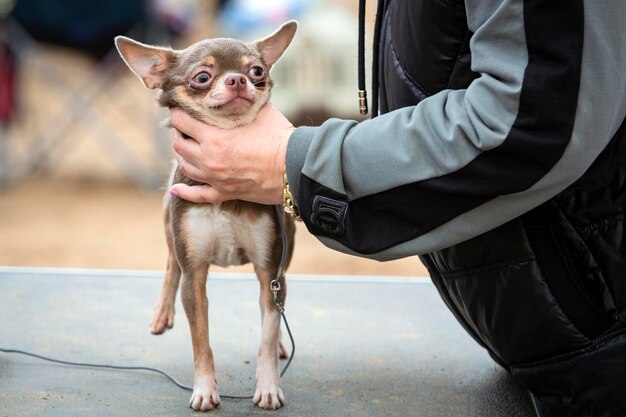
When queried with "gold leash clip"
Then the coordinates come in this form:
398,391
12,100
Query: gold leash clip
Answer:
275,288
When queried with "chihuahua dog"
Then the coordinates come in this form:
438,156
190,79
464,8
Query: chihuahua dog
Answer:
222,82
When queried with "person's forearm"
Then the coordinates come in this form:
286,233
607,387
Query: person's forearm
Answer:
462,162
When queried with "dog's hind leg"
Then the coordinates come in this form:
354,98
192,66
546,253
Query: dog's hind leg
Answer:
193,294
163,314
268,393
283,353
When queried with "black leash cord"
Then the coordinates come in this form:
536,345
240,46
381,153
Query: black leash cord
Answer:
283,260
148,369
96,365
281,270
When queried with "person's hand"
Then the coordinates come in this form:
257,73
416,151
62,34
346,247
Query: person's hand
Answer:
244,163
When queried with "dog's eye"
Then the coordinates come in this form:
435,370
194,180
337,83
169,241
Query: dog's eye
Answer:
202,78
256,72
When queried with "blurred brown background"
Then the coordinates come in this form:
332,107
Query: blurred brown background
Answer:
82,159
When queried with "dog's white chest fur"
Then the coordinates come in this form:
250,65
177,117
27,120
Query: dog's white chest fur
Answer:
225,238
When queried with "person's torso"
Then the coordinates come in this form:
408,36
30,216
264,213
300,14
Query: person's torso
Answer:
558,271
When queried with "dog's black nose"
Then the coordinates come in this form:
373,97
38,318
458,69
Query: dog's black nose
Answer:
236,81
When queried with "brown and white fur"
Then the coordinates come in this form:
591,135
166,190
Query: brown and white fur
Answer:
223,82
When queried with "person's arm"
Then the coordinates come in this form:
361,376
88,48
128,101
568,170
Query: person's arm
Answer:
550,95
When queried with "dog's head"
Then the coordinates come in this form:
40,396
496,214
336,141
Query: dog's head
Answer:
222,81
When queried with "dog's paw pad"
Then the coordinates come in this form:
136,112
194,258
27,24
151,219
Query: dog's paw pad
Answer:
270,398
162,318
204,399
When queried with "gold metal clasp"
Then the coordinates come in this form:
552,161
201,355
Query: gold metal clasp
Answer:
275,288
363,102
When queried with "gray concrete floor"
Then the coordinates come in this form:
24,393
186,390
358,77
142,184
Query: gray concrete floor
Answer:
364,347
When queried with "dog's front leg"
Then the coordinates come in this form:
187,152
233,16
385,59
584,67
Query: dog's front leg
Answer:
193,293
163,315
268,393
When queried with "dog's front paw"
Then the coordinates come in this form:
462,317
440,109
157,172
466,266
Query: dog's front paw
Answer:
162,317
205,396
269,396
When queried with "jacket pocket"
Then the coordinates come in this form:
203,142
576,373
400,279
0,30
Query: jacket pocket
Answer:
510,307
570,270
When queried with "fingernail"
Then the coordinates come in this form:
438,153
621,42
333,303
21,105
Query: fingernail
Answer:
173,192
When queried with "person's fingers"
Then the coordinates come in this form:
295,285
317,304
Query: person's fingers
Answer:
197,193
187,148
190,126
189,170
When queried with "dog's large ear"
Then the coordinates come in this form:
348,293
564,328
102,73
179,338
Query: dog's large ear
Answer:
150,63
273,46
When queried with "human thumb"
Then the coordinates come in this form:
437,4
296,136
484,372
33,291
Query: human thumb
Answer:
202,193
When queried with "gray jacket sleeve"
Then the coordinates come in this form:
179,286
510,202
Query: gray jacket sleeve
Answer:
550,95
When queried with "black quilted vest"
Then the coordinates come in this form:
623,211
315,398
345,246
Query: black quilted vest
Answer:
545,294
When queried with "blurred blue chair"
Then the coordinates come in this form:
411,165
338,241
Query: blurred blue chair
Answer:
88,27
